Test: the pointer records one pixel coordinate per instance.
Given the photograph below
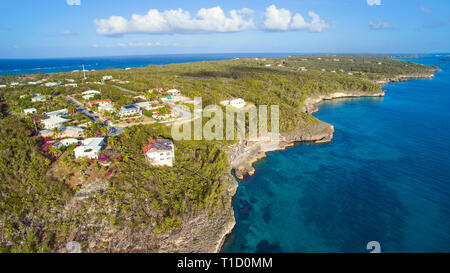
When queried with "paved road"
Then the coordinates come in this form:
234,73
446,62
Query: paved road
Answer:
92,116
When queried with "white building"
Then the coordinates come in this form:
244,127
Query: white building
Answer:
88,97
51,84
2,86
66,132
69,141
148,105
91,92
90,148
107,78
106,108
173,92
160,152
71,85
130,110
38,98
237,103
54,122
29,111
59,113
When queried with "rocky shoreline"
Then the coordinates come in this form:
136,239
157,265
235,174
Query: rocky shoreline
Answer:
243,154
207,233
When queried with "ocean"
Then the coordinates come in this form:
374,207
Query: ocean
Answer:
384,178
33,66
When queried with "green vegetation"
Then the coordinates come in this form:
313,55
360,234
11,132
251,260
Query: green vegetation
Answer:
29,202
40,214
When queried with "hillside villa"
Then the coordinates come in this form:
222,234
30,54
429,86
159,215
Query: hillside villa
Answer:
90,148
160,152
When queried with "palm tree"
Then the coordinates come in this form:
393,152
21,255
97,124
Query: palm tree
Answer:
57,132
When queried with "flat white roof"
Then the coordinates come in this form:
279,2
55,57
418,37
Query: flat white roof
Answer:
55,120
91,92
93,141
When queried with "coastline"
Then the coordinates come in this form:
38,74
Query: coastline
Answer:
243,155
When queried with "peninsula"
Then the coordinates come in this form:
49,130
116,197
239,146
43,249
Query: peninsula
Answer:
79,151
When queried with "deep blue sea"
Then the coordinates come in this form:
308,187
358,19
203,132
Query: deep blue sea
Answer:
385,177
32,66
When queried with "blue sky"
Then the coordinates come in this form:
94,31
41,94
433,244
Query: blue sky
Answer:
75,28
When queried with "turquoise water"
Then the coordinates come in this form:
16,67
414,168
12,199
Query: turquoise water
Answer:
385,178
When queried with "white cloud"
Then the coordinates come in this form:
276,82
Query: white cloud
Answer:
374,2
281,20
177,21
73,2
67,33
277,19
380,25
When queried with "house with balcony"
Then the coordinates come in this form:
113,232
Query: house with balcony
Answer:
160,152
129,111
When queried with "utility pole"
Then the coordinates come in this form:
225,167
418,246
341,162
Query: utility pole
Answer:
84,72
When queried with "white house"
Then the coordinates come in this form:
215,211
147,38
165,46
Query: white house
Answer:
107,78
148,105
130,110
88,97
2,86
160,152
69,141
29,111
237,103
101,102
38,98
60,113
106,108
91,92
51,84
66,132
90,148
71,84
173,92
54,122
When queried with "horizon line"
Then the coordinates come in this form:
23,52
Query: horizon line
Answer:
223,53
